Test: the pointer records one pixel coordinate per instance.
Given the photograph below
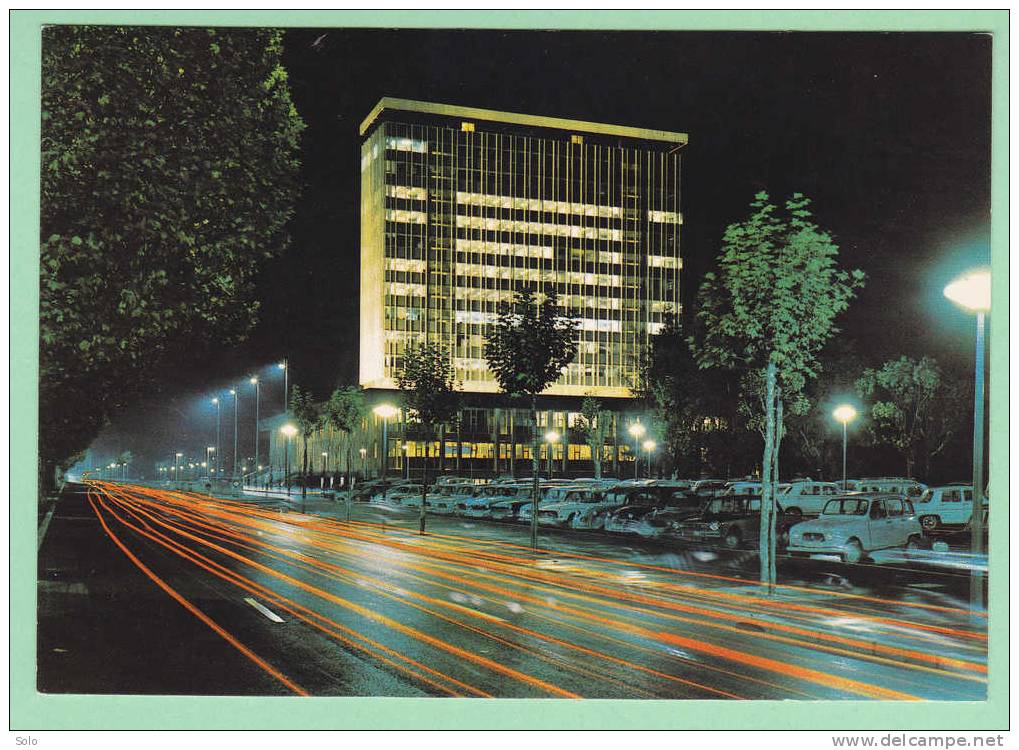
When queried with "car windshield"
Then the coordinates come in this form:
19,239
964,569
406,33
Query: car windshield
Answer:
726,505
846,507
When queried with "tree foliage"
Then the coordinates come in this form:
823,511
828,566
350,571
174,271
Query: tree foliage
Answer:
169,169
344,411
527,350
591,425
531,343
767,312
913,408
308,415
703,430
429,393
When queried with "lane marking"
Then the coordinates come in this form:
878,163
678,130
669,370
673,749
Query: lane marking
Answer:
269,614
46,524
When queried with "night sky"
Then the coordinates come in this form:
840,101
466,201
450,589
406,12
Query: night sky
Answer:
889,134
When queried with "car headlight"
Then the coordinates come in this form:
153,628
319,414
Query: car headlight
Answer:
713,525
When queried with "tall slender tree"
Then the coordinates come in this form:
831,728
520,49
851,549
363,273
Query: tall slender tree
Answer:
344,411
530,344
768,310
430,397
308,415
591,425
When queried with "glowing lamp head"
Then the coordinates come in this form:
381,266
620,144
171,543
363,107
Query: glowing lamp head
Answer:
180,455
324,454
972,291
282,365
289,430
211,449
844,413
215,401
551,436
637,430
649,445
253,380
233,392
385,411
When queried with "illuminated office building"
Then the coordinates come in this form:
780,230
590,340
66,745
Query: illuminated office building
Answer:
461,206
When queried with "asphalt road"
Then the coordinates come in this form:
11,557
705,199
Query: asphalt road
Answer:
146,590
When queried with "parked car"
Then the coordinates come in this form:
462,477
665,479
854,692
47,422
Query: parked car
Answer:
578,508
479,504
946,507
892,485
733,520
405,495
643,503
708,487
806,497
853,525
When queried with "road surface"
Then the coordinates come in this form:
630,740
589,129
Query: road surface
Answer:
152,590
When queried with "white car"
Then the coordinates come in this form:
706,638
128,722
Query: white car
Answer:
951,505
806,497
479,504
853,525
579,509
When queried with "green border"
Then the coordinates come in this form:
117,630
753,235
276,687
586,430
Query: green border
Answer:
33,711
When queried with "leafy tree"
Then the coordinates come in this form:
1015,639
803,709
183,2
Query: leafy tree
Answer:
767,311
591,424
344,411
430,395
913,408
529,345
702,430
308,415
169,169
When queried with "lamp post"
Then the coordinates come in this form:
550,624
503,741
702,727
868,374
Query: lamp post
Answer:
972,292
289,430
844,414
385,412
176,471
209,450
649,447
406,459
637,430
551,438
219,460
325,455
254,381
233,474
364,461
285,366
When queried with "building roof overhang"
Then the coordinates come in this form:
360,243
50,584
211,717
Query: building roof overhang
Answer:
514,118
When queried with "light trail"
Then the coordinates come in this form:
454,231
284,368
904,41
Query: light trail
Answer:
574,609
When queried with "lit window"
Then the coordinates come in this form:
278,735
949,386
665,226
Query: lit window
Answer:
467,127
578,139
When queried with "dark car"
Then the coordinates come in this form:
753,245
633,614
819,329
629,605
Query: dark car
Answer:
732,520
644,504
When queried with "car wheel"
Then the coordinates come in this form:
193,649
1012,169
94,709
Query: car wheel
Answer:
913,544
930,522
733,539
853,552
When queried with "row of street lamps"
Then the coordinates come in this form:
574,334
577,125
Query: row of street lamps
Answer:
256,384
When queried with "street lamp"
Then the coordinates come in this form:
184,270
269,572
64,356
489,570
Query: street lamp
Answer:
364,457
844,414
637,431
219,460
649,447
254,381
289,430
972,292
233,392
551,438
385,412
209,450
285,366
325,456
406,459
176,471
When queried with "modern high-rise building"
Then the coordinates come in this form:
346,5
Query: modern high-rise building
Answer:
461,206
